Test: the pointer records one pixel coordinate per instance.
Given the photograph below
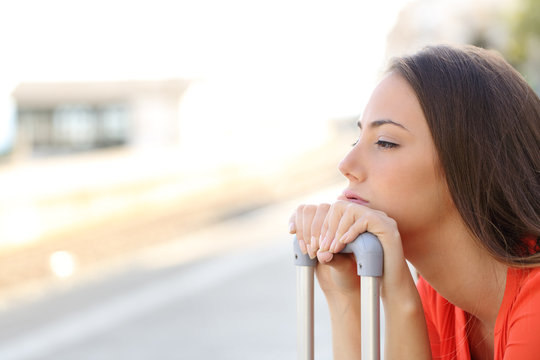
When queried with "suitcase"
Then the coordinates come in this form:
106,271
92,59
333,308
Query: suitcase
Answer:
368,253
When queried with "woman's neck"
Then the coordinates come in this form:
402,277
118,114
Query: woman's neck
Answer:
461,271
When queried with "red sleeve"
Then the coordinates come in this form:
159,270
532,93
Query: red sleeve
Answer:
522,328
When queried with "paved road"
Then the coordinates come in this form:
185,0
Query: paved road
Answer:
227,292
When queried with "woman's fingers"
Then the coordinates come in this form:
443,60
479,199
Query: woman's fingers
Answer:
322,236
299,218
292,223
306,222
330,225
325,229
349,222
357,228
339,219
308,214
316,225
345,221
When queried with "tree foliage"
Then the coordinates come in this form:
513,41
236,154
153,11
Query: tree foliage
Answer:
525,29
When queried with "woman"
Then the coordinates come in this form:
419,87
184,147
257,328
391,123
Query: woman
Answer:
445,172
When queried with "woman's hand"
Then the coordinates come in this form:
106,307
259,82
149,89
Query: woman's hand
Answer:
306,222
336,274
324,230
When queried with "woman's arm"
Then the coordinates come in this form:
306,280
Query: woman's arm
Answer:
345,321
341,287
406,332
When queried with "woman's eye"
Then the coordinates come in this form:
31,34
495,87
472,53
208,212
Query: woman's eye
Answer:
386,144
354,143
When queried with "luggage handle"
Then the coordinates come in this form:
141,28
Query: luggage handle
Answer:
367,250
368,254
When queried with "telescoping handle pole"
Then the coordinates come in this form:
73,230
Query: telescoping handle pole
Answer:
368,253
304,303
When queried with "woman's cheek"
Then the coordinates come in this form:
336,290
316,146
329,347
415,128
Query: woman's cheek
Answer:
409,206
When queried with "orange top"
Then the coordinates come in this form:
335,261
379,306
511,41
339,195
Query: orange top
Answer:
517,329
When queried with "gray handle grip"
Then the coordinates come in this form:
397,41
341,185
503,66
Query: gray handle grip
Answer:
367,250
301,259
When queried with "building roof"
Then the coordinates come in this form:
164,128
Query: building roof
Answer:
53,93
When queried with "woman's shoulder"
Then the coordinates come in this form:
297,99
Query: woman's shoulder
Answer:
517,331
525,283
521,297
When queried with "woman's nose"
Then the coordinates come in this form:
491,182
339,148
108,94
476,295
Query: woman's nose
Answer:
351,165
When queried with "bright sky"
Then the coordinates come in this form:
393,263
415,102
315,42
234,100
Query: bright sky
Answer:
282,66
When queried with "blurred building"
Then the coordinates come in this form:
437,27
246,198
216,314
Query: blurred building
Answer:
59,192
68,117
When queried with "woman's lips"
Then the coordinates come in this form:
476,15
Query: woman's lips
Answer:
352,197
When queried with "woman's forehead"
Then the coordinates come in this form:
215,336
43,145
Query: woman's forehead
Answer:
393,99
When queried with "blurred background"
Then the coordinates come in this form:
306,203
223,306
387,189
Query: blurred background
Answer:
151,153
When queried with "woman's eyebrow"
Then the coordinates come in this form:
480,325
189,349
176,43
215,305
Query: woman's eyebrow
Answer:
381,122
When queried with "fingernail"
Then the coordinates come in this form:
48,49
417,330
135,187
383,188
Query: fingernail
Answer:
325,256
324,244
333,246
291,228
310,252
303,247
313,241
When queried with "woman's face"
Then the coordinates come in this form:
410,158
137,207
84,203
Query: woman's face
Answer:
393,167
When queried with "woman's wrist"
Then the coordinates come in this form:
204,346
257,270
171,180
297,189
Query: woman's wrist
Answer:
344,311
398,285
343,307
404,313
341,299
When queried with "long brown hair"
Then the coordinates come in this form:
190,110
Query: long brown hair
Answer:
485,123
